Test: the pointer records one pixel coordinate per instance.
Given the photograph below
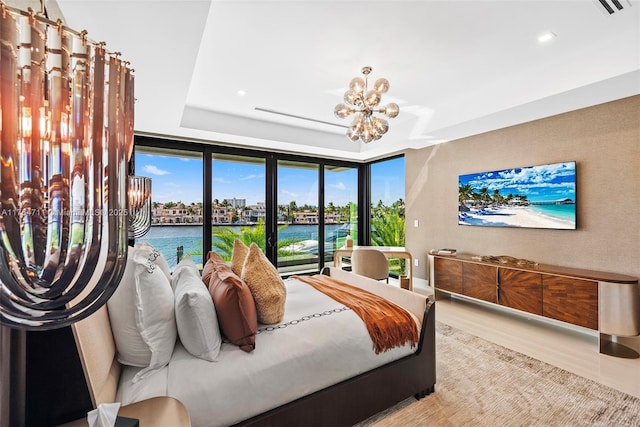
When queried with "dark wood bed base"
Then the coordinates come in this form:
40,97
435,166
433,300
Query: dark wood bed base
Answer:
360,397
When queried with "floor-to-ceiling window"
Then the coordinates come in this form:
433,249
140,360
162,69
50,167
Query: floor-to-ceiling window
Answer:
238,206
387,219
177,203
298,216
340,208
298,209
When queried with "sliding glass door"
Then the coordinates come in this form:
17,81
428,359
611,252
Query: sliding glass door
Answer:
297,209
238,207
340,208
297,217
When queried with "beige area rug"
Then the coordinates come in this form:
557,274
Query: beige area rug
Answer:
483,384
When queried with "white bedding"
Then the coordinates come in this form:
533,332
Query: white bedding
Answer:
286,364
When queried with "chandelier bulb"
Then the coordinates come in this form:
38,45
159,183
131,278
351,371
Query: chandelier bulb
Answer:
380,125
381,86
352,98
372,98
367,135
357,85
391,110
341,111
352,135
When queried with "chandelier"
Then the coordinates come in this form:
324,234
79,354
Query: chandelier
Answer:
66,137
363,102
139,196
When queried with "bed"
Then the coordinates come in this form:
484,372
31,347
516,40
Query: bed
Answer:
316,366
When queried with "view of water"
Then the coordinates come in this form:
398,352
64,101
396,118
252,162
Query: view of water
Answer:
167,238
563,212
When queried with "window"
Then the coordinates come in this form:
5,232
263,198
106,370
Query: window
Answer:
340,208
238,209
297,209
387,206
176,194
298,216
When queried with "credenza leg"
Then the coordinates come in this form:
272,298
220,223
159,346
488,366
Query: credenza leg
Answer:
612,348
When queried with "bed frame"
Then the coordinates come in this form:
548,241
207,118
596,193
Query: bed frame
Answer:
342,404
358,398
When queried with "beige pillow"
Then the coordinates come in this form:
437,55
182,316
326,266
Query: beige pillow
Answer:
239,254
266,286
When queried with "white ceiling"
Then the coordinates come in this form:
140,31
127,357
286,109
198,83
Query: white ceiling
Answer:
456,68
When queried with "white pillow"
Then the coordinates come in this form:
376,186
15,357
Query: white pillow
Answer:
160,260
142,314
186,263
195,313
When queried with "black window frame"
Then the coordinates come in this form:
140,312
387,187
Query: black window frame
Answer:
208,149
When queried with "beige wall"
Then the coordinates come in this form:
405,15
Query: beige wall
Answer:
604,141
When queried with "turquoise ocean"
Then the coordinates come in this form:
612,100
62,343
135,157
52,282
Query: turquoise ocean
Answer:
562,212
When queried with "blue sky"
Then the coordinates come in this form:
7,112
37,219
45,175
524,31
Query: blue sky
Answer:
547,182
387,181
180,179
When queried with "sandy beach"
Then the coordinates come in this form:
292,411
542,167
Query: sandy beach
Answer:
511,217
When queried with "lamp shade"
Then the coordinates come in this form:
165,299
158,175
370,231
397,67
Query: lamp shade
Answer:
66,134
139,197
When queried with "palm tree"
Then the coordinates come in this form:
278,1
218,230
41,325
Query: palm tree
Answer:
465,192
224,238
293,207
497,198
330,208
388,229
484,196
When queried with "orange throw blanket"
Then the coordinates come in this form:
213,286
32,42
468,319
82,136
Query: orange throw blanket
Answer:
389,325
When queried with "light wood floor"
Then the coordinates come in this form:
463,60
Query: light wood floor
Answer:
573,349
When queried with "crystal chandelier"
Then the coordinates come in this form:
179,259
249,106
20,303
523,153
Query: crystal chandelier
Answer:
66,136
363,102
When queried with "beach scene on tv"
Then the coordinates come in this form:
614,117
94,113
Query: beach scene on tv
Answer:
532,197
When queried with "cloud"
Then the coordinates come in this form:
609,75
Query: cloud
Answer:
154,170
338,186
251,176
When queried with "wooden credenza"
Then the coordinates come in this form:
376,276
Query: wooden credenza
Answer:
605,302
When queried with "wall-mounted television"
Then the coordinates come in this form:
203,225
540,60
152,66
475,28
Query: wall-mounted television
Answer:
532,197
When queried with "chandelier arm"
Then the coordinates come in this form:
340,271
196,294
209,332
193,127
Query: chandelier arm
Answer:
58,23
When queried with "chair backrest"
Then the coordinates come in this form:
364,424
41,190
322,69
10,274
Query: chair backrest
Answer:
97,350
370,263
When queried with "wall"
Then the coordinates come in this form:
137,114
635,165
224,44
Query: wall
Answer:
604,140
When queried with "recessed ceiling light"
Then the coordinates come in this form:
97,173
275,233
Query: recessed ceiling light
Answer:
546,37
241,92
